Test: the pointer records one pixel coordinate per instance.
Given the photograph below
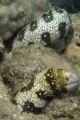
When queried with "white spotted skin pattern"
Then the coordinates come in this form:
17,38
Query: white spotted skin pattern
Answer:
31,96
50,82
51,27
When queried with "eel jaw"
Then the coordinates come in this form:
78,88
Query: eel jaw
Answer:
73,83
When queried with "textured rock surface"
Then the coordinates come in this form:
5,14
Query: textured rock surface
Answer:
72,53
6,113
22,67
30,62
25,63
15,14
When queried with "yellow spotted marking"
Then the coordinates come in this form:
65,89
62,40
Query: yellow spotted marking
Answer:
51,76
48,75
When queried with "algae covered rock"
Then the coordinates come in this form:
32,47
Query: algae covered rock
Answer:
72,52
26,63
16,14
18,71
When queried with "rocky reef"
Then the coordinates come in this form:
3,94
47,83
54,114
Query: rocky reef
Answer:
24,64
16,14
18,71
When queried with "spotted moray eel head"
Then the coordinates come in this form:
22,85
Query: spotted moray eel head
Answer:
61,80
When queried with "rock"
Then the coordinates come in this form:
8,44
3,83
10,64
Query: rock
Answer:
6,113
16,14
2,51
26,63
65,108
21,67
72,52
31,61
75,18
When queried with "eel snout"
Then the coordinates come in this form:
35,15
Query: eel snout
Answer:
73,82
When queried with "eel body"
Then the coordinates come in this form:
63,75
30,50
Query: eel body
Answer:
43,88
52,29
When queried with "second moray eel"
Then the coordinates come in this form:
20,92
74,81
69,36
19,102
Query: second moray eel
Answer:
43,88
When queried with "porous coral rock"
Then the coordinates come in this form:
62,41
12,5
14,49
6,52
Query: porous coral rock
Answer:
15,14
72,52
40,58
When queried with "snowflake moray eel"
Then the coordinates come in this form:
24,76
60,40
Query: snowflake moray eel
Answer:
52,29
43,88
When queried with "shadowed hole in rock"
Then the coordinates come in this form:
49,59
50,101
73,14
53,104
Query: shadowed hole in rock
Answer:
78,44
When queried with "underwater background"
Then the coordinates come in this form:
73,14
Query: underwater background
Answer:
40,59
70,5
